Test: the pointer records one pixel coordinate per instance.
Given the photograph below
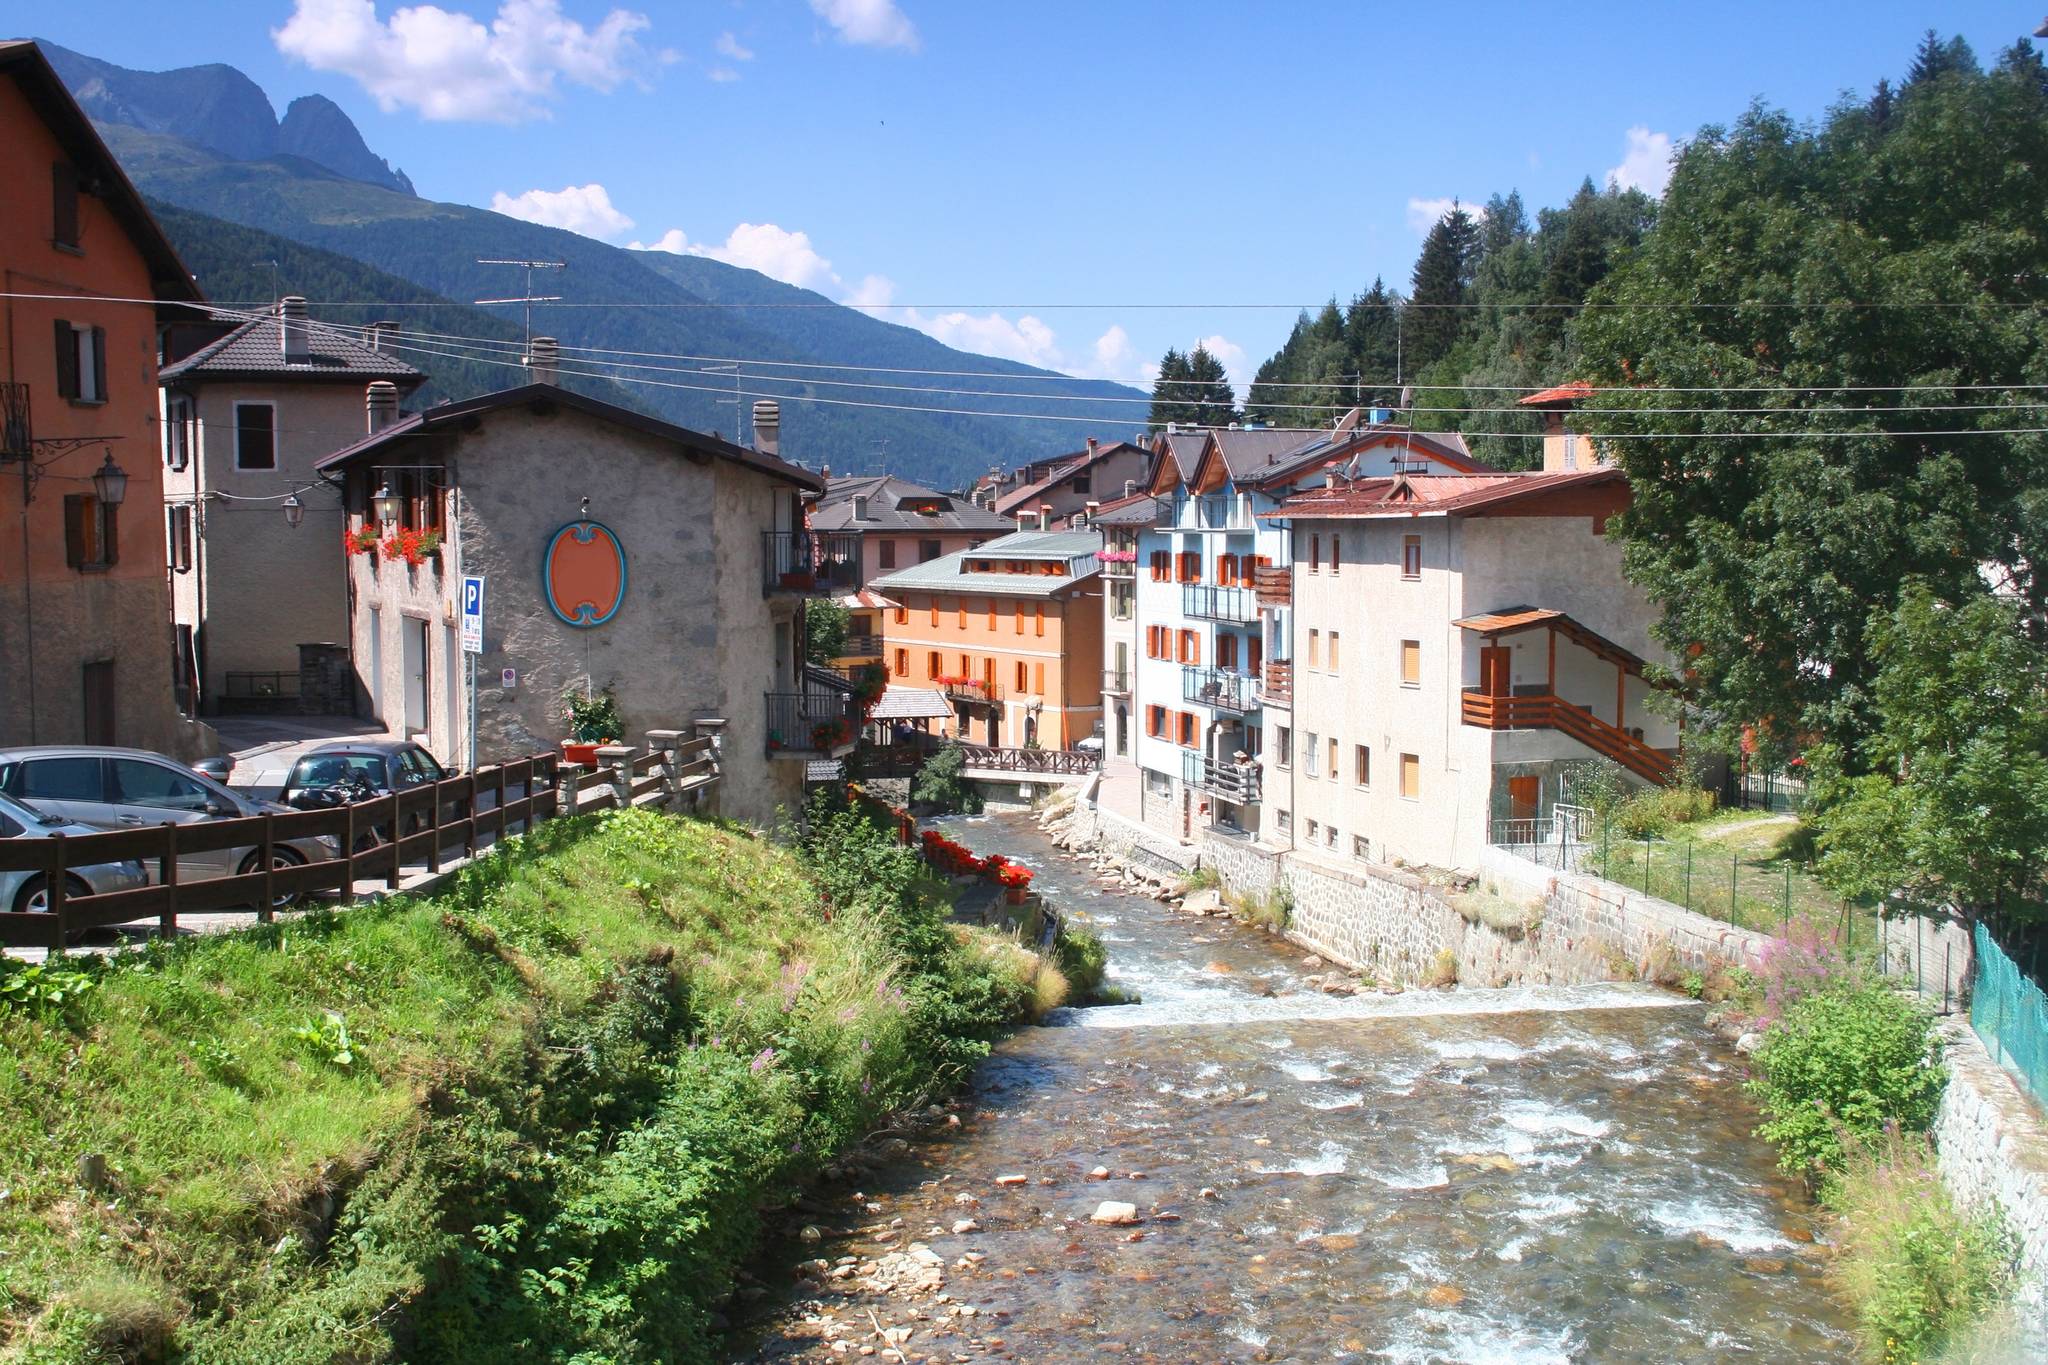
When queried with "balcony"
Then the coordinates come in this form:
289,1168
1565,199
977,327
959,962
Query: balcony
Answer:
862,647
1207,602
1119,563
1236,783
1274,585
17,439
1116,682
1548,712
806,564
817,722
973,691
1277,685
1218,687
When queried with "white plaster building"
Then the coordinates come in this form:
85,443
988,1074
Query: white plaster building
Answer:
1460,642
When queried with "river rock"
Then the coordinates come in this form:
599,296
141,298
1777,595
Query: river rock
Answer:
810,1236
1217,968
963,1226
1444,1296
1749,1042
1099,1173
1206,1193
1010,1180
1206,901
1114,1212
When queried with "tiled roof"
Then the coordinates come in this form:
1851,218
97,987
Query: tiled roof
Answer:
254,348
1139,509
1509,620
911,703
950,572
886,495
1563,393
1248,453
1437,494
1067,468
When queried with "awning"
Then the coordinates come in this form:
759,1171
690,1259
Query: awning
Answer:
867,600
1512,620
911,703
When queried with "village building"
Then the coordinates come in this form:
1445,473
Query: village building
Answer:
85,620
1565,447
1056,490
617,552
1462,644
1009,632
259,586
1218,640
1120,522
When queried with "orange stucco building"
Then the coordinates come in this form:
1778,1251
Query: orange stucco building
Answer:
86,649
1009,631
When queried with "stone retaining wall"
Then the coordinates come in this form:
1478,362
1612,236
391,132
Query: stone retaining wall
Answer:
1991,1144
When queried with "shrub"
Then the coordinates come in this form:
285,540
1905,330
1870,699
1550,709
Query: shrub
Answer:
939,783
1806,961
1919,1272
1847,1061
1083,958
1443,971
1201,879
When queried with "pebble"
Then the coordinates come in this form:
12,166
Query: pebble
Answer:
1099,1173
1114,1212
810,1236
964,1226
1010,1180
1206,1193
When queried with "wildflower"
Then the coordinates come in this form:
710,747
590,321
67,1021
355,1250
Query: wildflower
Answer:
763,1059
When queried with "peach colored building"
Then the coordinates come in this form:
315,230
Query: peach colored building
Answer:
1010,632
86,648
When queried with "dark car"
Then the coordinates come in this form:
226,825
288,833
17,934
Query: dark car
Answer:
345,771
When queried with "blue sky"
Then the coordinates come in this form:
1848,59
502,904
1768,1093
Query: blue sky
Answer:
1036,180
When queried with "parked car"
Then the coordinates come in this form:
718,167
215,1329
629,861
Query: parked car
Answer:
29,892
220,767
343,771
110,788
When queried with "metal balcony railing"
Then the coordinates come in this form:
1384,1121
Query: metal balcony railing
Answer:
815,721
1236,783
1210,602
809,562
981,691
17,437
1218,687
1116,681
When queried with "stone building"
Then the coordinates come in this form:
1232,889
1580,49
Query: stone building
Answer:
248,408
1052,491
617,551
86,650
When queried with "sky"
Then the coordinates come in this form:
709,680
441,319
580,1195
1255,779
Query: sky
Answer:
1078,186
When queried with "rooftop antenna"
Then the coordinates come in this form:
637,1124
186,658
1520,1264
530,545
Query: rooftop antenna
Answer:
739,413
529,298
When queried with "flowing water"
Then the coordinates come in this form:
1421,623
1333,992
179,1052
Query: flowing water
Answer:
1541,1174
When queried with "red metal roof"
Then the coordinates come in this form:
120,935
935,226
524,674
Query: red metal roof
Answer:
1563,393
1437,494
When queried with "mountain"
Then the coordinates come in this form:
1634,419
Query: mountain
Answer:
217,108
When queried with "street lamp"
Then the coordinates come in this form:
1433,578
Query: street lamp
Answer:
386,503
110,483
294,511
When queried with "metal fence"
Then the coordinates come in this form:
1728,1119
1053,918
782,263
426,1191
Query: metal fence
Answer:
2010,1013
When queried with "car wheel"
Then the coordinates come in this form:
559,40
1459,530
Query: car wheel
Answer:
279,858
34,899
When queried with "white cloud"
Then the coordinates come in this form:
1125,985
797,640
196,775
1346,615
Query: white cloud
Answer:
449,66
673,241
869,23
579,208
729,46
1027,339
1645,162
1424,214
1116,358
780,255
873,293
723,75
1235,363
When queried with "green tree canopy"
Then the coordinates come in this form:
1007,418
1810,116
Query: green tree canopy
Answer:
1813,315
1193,390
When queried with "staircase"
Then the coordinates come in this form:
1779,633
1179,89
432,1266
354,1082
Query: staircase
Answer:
1549,712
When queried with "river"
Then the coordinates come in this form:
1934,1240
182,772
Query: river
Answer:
1537,1174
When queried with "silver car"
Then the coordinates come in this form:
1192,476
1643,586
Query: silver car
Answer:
29,892
110,788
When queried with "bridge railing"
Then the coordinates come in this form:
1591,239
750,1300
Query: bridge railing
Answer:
1060,762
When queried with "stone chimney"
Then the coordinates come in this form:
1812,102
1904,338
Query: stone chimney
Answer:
543,362
860,504
768,427
1045,516
293,343
383,335
1088,514
380,405
1091,447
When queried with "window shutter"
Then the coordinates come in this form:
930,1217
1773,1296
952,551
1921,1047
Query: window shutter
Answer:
99,366
67,360
64,203
74,526
110,534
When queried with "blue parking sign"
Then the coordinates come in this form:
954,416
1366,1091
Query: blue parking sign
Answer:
472,614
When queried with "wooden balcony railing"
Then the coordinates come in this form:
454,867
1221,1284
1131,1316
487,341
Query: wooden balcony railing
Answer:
1548,712
1278,683
1069,762
1274,585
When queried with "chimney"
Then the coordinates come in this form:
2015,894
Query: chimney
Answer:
1091,447
383,335
380,405
293,342
1088,514
860,503
1130,487
543,361
768,426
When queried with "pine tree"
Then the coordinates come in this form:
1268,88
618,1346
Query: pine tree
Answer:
1372,328
1209,396
1442,286
1934,59
1170,390
1881,107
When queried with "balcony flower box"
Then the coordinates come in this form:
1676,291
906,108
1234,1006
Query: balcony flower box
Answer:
799,580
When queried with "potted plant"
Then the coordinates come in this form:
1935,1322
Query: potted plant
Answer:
594,721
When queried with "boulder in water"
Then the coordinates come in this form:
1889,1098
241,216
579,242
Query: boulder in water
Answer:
1114,1212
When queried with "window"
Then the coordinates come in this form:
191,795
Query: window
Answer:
1336,554
1312,828
1329,836
1040,616
960,614
1315,554
1023,676
1411,556
1016,617
902,616
1361,765
158,786
1190,647
934,664
935,611
1315,649
1361,848
966,666
1333,651
256,438
885,553
1187,729
81,363
1038,679
1226,570
1411,663
1411,777
1155,721
1226,651
1158,566
927,550
64,204
91,539
178,432
1083,482
178,537
902,663
1333,758
1283,820
1571,450
1283,745
1309,749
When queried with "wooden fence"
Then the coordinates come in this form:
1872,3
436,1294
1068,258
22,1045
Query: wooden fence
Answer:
1065,762
428,828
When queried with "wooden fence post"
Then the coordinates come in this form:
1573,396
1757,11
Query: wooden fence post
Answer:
434,826
397,833
53,885
167,869
348,854
265,912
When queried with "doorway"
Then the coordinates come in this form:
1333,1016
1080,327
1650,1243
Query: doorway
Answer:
1525,796
1123,731
414,639
99,702
1496,669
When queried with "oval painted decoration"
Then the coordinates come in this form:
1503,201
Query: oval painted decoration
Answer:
583,573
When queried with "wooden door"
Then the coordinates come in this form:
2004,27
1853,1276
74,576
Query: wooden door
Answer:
1496,669
1525,794
99,702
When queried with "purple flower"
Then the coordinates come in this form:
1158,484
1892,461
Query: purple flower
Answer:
763,1059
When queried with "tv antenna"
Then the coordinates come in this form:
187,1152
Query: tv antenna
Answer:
529,298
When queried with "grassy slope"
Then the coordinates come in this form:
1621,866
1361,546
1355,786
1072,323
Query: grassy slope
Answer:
552,1135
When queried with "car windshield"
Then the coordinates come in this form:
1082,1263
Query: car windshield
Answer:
325,770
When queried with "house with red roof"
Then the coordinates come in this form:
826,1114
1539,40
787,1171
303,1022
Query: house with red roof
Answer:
1565,447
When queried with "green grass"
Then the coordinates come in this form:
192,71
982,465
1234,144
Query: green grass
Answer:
571,1083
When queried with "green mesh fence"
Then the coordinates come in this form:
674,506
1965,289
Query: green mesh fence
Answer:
2010,1014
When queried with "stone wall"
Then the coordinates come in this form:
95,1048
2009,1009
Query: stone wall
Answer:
1932,953
1991,1144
